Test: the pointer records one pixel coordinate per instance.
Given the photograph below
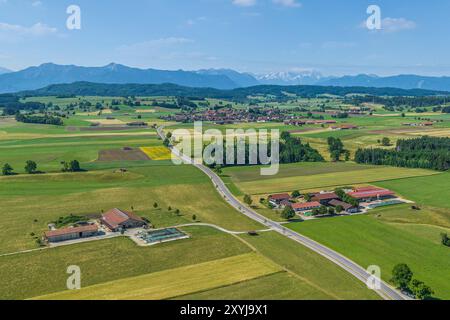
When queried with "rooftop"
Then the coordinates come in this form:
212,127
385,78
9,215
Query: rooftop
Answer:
65,231
115,217
325,196
370,192
313,204
281,196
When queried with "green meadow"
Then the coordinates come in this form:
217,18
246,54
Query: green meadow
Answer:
39,273
429,190
214,265
36,200
314,176
371,241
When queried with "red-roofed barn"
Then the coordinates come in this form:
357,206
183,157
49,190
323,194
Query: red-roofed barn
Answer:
71,233
304,207
116,219
371,194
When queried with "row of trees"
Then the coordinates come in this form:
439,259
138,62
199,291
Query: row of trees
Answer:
292,150
392,103
32,168
45,119
402,277
426,152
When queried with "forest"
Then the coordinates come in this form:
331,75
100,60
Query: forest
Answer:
425,152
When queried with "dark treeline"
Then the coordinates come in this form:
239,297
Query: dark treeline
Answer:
395,101
11,105
238,95
426,152
39,119
292,150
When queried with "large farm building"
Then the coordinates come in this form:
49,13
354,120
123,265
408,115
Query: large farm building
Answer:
71,233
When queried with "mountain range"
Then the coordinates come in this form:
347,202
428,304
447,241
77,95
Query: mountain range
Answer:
4,70
33,78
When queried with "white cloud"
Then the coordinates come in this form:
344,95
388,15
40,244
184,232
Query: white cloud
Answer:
390,25
195,21
397,24
288,3
38,30
36,3
244,3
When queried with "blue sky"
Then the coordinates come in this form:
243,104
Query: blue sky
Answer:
247,35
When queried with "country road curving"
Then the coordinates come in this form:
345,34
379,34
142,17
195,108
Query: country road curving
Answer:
386,291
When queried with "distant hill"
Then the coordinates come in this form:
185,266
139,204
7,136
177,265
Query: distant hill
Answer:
225,79
241,94
4,70
400,81
48,74
240,79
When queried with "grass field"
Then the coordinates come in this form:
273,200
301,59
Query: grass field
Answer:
49,152
43,272
315,176
429,190
33,201
161,285
287,287
404,214
315,272
369,241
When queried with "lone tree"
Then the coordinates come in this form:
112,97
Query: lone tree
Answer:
386,142
30,167
445,239
7,170
166,142
194,217
74,166
288,213
296,194
402,276
155,205
421,290
248,200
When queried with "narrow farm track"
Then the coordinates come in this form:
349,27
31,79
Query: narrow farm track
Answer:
385,290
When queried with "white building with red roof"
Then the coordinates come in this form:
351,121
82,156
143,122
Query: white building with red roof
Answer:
371,193
307,206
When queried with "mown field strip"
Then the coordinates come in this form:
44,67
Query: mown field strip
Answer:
176,282
329,179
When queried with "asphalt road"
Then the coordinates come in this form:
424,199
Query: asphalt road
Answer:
385,291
